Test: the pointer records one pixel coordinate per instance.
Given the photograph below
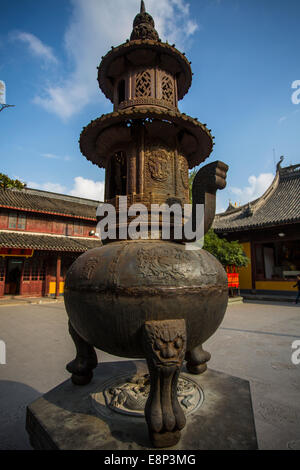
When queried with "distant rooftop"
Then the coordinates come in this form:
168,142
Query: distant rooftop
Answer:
35,200
280,204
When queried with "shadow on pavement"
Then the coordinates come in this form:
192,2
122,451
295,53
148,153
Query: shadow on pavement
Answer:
14,398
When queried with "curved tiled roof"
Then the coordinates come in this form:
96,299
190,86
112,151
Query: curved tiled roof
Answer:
46,242
280,204
40,201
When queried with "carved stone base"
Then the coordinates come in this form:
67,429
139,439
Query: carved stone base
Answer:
129,395
66,417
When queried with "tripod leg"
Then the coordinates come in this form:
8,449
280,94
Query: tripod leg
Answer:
85,361
165,343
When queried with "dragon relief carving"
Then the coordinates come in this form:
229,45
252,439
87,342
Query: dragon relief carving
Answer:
131,395
88,269
163,263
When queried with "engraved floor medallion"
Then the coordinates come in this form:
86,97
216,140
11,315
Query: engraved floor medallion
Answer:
128,395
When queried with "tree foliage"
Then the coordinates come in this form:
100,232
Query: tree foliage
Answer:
192,175
8,183
228,253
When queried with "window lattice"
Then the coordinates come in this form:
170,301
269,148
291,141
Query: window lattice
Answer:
12,220
143,84
42,271
21,222
17,220
78,228
26,273
34,270
167,89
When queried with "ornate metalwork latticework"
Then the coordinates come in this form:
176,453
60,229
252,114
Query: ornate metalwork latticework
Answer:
143,84
167,89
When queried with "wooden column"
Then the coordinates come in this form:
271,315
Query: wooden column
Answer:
58,269
47,277
21,278
253,265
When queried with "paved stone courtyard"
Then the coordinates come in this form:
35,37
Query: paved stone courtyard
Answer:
253,342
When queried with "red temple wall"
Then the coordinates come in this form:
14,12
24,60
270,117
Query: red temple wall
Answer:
54,225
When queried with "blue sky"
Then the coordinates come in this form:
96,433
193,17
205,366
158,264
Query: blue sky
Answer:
245,58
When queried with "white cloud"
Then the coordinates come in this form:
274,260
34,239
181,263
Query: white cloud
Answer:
219,206
283,118
36,46
88,189
82,187
52,156
94,27
257,186
52,187
191,27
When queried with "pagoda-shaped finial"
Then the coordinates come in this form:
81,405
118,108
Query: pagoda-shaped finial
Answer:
143,26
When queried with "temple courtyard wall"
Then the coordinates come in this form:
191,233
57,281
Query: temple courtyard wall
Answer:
254,342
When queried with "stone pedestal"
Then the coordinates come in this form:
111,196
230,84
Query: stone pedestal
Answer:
71,417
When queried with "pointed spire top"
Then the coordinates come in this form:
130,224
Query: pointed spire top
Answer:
143,26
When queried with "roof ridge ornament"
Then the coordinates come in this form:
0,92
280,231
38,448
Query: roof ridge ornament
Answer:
143,26
248,210
278,166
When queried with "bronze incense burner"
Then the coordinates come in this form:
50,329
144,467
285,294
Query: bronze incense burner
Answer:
148,299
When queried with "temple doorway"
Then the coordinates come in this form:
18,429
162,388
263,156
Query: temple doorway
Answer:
13,276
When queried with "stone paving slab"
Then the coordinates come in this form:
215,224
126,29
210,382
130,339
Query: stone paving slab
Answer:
253,343
18,300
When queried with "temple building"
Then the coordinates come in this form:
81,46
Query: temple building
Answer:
269,230
41,234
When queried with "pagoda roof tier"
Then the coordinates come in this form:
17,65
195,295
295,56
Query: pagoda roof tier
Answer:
148,53
106,133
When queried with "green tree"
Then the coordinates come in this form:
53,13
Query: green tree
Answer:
228,253
192,175
8,183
